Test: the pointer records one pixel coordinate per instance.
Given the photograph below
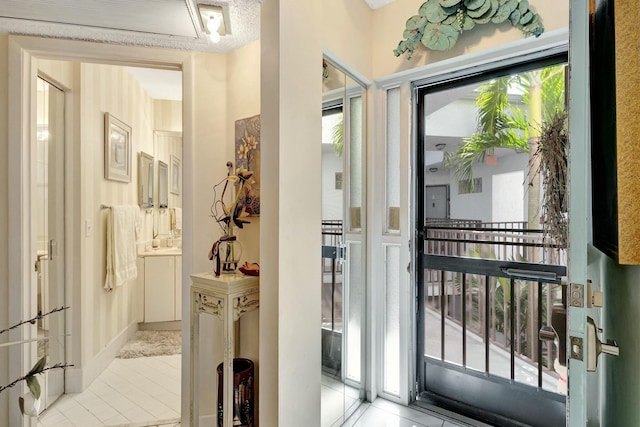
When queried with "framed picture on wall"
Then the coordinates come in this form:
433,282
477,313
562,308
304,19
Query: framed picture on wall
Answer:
117,149
175,175
248,157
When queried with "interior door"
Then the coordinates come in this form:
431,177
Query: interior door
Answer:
48,220
343,253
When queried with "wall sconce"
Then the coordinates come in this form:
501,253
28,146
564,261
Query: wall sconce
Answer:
440,147
212,20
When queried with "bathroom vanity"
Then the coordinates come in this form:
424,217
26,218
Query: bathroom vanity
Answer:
159,272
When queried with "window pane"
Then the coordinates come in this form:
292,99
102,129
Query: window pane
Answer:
393,161
392,321
356,297
355,162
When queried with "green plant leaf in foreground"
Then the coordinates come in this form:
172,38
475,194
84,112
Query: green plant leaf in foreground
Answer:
38,367
34,386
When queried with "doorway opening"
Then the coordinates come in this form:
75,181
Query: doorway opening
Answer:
491,305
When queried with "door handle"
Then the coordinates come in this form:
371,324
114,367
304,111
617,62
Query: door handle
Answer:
595,346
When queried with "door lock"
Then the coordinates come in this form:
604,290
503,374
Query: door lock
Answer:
595,346
557,331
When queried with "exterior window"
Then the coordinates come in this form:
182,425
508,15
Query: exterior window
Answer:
465,187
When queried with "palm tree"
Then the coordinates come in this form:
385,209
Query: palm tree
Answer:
504,125
337,136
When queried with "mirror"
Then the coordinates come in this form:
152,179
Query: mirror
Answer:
343,305
145,180
163,181
167,147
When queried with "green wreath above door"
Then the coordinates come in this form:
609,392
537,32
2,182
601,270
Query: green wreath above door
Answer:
439,22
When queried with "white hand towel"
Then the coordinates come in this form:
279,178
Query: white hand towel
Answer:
121,245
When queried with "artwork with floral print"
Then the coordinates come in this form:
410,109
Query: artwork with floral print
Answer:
248,157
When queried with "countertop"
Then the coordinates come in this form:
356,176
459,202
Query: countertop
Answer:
162,251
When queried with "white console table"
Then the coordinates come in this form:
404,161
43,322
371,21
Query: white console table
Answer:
228,297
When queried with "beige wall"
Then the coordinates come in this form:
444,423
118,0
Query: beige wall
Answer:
211,151
243,88
346,33
388,24
167,115
4,231
111,89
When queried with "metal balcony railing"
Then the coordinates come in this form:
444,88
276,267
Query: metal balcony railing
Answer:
469,280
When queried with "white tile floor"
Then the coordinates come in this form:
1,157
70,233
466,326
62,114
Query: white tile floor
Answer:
336,398
382,413
146,392
130,392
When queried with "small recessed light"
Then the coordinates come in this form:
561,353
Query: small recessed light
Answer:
440,147
433,169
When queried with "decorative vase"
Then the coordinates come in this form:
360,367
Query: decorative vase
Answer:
226,254
29,405
242,393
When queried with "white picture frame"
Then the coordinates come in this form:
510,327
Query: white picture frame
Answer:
117,149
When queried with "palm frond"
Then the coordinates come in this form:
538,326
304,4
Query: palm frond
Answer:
492,102
337,136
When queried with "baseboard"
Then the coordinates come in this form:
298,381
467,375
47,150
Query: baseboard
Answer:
160,326
77,380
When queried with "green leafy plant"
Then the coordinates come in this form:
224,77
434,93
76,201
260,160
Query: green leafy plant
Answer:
439,22
553,168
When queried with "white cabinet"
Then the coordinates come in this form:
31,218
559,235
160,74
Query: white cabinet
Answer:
162,292
178,287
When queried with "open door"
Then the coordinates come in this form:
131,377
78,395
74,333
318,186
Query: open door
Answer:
47,216
589,267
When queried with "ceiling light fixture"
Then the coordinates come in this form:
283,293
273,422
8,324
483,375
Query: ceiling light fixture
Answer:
212,20
440,146
433,170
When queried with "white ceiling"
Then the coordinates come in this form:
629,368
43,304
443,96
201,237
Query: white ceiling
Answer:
162,23
159,84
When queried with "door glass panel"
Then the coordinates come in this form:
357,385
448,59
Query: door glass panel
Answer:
355,162
355,313
392,224
48,217
392,321
483,211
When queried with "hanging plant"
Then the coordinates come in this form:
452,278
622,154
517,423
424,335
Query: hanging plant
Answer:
552,153
439,22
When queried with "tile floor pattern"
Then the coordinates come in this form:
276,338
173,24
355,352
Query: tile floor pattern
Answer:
146,392
382,413
130,392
